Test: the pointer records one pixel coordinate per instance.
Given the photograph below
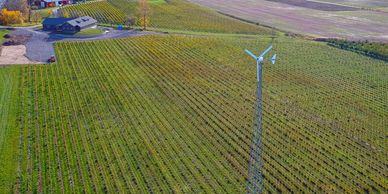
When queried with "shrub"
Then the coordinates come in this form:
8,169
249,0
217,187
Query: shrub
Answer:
11,17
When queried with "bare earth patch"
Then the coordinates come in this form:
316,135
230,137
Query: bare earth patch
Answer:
14,55
316,5
354,25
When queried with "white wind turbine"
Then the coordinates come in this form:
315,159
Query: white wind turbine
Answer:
255,179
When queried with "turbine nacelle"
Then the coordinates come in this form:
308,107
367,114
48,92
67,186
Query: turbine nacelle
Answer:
260,61
260,58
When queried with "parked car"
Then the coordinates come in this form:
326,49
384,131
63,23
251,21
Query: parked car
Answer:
51,59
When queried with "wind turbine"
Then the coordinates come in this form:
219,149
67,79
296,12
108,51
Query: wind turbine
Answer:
255,179
260,60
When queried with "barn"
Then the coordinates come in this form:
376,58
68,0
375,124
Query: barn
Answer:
68,25
78,24
52,24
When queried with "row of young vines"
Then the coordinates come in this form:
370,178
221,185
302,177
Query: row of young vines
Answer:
174,114
173,15
102,11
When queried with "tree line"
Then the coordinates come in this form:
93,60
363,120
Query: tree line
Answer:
18,12
371,49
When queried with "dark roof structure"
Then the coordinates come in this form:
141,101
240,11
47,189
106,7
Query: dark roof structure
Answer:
55,21
82,21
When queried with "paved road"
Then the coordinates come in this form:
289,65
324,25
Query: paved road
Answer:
40,45
112,34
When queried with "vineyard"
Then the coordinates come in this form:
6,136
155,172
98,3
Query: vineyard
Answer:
181,15
172,15
168,114
102,11
173,113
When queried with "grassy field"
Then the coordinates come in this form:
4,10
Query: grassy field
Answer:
90,32
174,113
9,132
2,33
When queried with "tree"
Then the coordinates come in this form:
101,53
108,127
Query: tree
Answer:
130,21
143,19
50,13
18,5
11,17
36,16
65,14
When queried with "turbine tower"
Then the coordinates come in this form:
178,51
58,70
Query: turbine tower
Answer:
255,174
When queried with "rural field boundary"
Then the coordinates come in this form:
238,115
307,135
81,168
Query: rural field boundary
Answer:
364,52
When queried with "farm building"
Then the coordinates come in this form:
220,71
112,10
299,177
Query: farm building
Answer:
52,3
68,25
76,25
52,24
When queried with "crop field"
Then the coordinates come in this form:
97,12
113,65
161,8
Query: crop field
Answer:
172,15
181,15
351,25
102,11
322,6
129,7
360,3
174,113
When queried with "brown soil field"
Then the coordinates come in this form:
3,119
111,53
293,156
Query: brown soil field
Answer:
360,3
14,55
316,5
353,25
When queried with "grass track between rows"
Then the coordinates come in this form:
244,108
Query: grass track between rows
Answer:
9,133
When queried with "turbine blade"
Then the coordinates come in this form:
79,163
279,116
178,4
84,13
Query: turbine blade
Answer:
273,60
251,54
266,51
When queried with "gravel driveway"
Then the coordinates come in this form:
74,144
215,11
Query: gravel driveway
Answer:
40,47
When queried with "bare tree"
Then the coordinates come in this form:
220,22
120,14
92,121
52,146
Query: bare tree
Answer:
17,5
30,3
130,21
144,10
36,16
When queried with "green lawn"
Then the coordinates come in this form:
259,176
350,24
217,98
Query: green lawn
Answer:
9,127
90,32
2,33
